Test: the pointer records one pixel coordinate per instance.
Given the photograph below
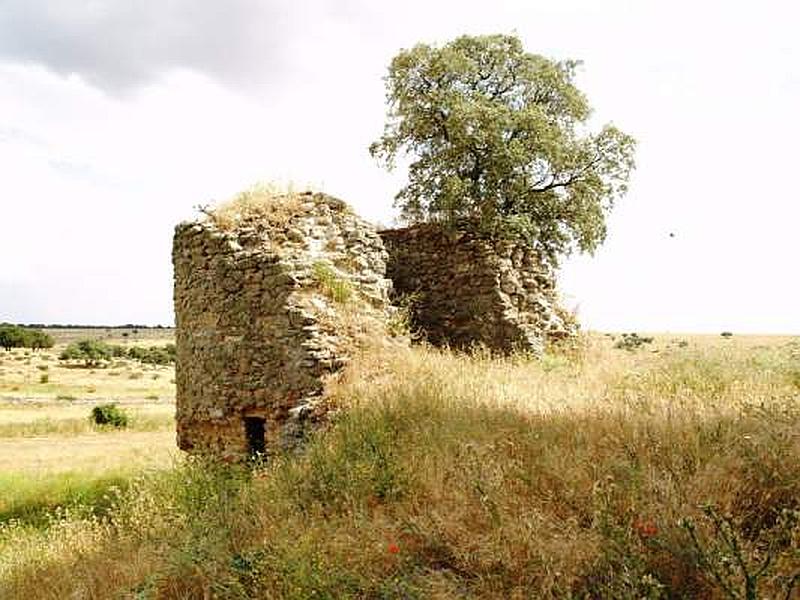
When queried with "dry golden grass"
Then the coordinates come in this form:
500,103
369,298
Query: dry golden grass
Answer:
603,378
262,203
22,371
92,453
465,476
36,419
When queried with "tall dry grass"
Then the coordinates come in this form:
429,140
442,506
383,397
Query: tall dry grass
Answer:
267,202
596,474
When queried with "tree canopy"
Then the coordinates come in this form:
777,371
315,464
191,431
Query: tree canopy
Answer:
95,352
498,137
14,336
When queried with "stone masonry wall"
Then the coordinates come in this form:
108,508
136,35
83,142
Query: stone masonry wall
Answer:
261,320
465,289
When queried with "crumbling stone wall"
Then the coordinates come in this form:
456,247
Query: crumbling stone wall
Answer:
466,289
265,311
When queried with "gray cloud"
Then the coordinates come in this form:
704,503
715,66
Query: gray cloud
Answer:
118,45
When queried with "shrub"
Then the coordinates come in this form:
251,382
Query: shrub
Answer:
738,565
118,351
109,414
632,341
44,378
11,336
14,336
401,322
39,339
91,352
153,355
726,334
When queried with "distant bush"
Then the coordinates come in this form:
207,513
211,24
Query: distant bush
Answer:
153,355
109,414
118,351
14,336
632,341
11,336
91,352
726,334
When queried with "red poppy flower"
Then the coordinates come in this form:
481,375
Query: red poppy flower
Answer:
393,548
645,528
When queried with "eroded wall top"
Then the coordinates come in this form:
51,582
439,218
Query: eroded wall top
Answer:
466,289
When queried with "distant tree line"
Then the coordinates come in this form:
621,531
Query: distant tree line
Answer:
73,326
15,336
94,352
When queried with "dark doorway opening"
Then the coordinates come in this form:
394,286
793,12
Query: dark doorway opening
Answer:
254,430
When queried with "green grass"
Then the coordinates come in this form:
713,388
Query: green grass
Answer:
332,285
32,500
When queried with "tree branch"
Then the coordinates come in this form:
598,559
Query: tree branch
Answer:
571,178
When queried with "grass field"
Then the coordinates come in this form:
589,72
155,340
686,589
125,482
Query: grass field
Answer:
28,374
51,455
667,471
149,335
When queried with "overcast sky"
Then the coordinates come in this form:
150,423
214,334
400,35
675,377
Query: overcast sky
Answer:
118,117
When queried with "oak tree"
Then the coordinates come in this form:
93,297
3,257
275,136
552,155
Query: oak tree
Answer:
498,138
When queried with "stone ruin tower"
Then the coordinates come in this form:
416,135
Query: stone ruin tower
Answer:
465,289
270,299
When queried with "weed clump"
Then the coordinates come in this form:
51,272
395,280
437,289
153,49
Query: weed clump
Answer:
109,414
262,203
632,341
333,285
